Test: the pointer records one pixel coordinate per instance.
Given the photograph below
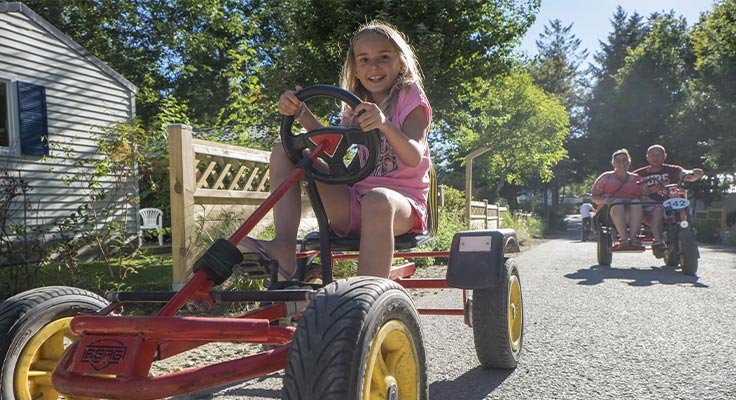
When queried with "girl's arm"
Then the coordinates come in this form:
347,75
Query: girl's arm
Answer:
289,104
407,144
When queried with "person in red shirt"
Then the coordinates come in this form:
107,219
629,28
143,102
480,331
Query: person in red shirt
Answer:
665,173
619,186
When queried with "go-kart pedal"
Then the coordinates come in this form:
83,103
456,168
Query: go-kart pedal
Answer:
253,267
659,249
256,264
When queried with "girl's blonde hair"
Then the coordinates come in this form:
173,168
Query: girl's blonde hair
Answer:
409,74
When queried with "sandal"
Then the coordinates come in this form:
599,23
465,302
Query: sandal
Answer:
254,252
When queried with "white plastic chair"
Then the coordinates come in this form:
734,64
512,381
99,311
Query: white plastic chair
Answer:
151,219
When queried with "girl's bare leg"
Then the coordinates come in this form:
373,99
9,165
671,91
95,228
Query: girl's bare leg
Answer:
286,213
384,214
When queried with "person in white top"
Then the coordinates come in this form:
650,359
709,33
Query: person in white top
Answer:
586,213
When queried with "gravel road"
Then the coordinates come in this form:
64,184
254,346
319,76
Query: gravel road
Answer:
637,330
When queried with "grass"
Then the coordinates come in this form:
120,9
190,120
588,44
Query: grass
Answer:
139,273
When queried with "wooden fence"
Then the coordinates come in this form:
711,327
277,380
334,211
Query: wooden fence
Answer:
712,214
486,216
211,183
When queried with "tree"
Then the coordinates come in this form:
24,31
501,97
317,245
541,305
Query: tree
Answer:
200,52
714,91
652,86
455,41
556,70
524,127
602,106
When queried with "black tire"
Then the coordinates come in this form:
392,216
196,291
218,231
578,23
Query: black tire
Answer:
605,241
342,334
671,255
689,253
35,322
585,231
498,321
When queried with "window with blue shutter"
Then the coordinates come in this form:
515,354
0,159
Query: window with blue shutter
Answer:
4,114
33,124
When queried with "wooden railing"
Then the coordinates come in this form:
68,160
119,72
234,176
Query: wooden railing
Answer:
209,182
486,216
712,214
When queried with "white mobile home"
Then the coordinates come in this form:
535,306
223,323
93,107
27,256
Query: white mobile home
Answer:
57,102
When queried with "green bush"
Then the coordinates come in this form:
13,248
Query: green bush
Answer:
729,236
526,227
707,231
449,224
454,200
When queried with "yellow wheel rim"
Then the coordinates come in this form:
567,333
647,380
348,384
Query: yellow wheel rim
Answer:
392,370
39,359
515,313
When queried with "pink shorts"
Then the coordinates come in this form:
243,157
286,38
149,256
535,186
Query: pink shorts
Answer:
354,228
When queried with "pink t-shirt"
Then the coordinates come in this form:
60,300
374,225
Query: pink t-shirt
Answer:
390,172
607,183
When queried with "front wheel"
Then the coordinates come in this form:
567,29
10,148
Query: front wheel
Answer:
34,331
671,253
498,320
689,253
605,241
359,339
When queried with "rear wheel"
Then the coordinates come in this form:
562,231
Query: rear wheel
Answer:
359,339
689,253
498,321
34,331
605,241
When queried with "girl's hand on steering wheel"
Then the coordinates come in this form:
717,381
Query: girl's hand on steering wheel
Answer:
289,104
370,117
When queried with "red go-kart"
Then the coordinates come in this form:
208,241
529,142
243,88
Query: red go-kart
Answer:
355,338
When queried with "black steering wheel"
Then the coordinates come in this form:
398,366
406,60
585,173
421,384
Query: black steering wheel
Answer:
337,172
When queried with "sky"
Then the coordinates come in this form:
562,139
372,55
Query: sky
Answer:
591,19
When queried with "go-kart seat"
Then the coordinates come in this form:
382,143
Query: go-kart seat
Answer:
401,242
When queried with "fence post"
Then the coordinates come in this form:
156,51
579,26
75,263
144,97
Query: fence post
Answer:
181,185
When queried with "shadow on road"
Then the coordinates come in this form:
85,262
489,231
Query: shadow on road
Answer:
637,277
475,384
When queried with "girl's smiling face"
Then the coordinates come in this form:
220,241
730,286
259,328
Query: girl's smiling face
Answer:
377,65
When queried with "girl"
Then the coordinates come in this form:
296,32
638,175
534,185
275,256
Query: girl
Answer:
381,69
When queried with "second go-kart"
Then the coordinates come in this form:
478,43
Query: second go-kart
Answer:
354,338
678,236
